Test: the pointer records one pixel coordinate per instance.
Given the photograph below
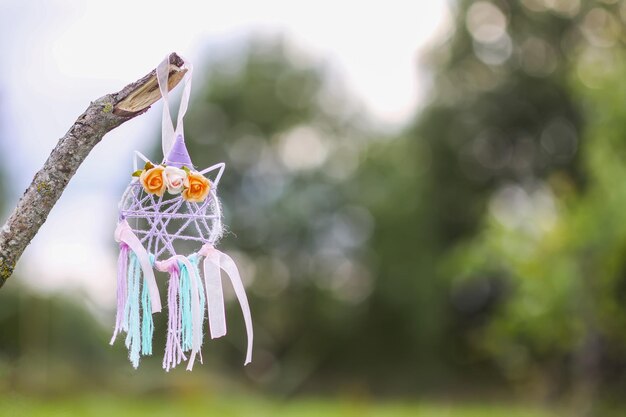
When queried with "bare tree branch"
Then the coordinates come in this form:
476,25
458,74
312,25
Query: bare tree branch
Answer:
102,116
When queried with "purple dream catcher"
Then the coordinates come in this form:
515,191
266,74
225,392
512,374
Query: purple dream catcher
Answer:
166,209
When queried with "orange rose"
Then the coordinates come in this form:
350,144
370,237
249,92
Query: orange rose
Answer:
152,180
196,187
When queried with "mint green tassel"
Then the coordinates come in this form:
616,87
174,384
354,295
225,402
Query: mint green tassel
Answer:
133,337
147,326
185,300
185,307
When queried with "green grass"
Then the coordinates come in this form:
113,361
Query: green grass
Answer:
97,406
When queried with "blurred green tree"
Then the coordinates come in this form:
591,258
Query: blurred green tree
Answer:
534,192
502,114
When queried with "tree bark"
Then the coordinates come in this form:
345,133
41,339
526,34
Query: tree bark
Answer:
102,116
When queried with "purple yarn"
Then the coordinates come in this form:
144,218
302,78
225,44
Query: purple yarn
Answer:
121,324
178,156
196,219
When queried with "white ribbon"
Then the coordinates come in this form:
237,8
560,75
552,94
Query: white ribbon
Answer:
169,133
123,233
214,262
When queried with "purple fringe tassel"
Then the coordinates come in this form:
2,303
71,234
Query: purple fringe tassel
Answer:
173,349
121,324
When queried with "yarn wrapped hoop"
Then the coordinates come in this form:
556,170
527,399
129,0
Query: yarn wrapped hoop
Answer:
161,222
171,231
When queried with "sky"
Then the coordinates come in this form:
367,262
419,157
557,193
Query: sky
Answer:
61,54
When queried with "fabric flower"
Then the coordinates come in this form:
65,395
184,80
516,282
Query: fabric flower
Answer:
174,179
152,180
196,187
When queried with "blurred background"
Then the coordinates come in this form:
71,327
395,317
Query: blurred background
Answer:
425,200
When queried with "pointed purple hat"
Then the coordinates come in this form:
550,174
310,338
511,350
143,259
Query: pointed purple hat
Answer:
178,155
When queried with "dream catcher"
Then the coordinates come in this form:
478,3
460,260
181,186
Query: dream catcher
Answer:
167,209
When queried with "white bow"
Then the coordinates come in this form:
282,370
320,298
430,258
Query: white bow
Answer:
214,262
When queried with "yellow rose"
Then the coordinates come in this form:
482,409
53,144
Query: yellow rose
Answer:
152,180
196,187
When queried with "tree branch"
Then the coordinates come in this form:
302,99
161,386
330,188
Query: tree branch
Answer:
102,116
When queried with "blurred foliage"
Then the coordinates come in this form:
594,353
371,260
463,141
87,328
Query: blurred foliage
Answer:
548,248
49,344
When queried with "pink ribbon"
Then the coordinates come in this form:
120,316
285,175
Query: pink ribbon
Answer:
196,314
125,234
214,262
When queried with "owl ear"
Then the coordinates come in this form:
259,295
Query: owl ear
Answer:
220,170
143,158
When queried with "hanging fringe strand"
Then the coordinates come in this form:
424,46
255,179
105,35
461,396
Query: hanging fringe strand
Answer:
133,336
147,326
134,306
173,350
121,324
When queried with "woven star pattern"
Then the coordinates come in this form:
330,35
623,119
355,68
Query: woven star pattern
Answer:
160,222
